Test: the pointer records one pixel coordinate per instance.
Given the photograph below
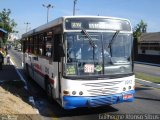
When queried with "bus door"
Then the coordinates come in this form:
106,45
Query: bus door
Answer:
57,63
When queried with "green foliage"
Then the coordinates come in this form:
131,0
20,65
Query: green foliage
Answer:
139,29
7,23
147,77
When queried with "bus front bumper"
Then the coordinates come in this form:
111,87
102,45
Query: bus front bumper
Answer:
71,102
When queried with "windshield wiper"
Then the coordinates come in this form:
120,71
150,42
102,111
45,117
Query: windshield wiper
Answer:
113,38
91,42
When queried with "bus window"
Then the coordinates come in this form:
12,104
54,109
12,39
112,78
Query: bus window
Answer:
36,45
48,47
41,44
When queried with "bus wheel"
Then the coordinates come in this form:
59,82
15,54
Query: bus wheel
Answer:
49,90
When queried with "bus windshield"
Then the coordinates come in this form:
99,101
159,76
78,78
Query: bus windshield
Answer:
107,55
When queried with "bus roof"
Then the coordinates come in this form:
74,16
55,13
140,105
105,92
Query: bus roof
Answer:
60,20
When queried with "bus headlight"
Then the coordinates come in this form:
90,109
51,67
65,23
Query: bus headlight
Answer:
124,89
65,92
73,92
80,93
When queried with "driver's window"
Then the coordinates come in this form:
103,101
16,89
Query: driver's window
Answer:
121,46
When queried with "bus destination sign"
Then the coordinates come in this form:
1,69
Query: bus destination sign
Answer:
96,24
104,25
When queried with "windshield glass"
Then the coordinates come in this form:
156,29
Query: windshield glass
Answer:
84,58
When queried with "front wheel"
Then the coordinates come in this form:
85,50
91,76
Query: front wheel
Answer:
49,90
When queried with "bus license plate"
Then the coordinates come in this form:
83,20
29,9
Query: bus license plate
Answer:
127,96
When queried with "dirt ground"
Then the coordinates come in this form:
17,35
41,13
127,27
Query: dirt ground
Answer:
14,103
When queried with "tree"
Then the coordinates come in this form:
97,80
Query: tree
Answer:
139,29
7,23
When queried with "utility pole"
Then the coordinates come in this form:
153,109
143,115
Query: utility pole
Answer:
27,23
47,6
74,7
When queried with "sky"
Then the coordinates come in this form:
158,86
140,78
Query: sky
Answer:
33,12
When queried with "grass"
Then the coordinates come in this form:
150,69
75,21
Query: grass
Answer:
147,77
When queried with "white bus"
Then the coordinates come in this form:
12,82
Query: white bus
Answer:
82,61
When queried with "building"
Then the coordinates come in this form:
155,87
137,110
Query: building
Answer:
149,47
149,44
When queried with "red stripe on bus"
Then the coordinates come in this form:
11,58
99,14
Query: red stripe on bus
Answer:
43,75
39,72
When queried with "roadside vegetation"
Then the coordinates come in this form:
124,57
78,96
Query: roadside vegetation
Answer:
8,24
147,77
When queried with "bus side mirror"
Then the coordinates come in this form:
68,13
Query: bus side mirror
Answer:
61,51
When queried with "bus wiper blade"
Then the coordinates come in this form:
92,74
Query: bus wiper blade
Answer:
91,42
113,38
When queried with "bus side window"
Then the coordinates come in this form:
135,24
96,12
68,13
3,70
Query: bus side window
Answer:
48,47
48,51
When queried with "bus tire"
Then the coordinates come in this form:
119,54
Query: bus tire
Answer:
48,88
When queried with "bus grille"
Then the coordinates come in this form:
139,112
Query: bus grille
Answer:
104,88
104,91
102,84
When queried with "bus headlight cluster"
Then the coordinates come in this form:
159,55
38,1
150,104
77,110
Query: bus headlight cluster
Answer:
129,87
80,93
124,89
74,93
